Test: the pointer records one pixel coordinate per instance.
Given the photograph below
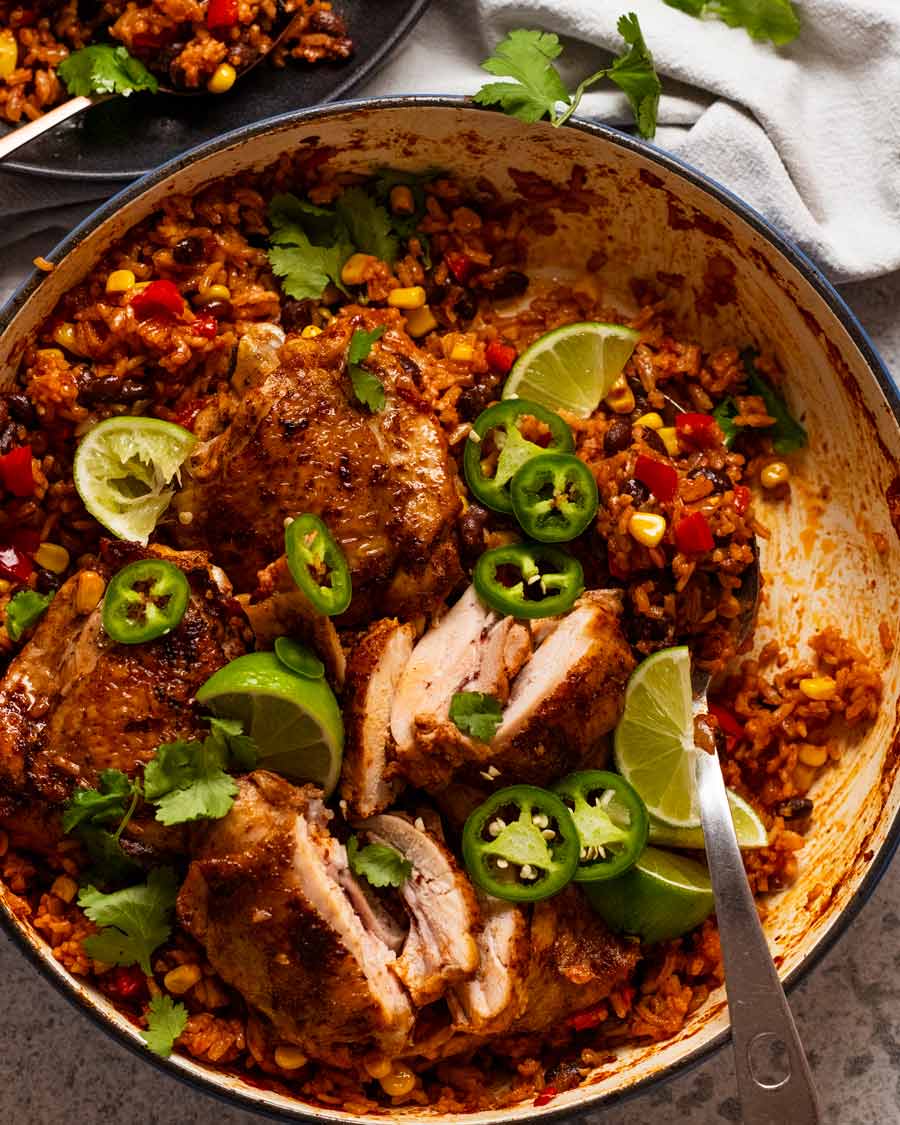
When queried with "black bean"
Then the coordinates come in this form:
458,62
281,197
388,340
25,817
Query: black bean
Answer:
512,284
472,523
473,400
188,251
46,581
794,808
653,440
104,389
618,437
718,480
7,437
638,491
327,23
221,310
466,307
131,389
296,314
21,409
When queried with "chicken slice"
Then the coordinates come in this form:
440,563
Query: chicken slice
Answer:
440,947
376,665
561,687
74,702
279,608
300,441
266,896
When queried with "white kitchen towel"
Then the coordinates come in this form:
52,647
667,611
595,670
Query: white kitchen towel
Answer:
809,134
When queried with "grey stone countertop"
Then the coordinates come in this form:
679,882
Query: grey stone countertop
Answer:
57,1067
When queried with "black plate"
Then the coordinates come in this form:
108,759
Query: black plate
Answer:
126,137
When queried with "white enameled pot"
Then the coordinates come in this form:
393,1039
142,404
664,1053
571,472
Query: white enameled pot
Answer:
833,556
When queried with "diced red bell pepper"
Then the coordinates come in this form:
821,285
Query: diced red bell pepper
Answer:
581,1021
741,498
15,565
126,982
160,298
693,535
546,1095
697,431
460,265
15,471
500,357
726,720
221,13
206,326
660,478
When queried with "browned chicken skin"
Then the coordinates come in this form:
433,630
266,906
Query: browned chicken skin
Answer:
73,702
383,482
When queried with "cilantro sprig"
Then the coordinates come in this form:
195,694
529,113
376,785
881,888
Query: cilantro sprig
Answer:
476,714
787,434
166,1020
380,864
775,20
104,69
537,90
366,386
133,922
25,609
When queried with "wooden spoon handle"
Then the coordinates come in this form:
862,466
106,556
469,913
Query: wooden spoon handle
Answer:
25,133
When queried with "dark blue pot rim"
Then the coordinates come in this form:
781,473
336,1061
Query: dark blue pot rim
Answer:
797,258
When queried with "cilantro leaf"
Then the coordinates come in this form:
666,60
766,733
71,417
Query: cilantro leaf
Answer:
537,90
104,805
527,57
289,215
104,69
307,270
724,414
165,1022
476,714
635,75
187,781
134,922
91,813
240,746
787,434
366,386
380,864
23,610
367,223
109,863
763,19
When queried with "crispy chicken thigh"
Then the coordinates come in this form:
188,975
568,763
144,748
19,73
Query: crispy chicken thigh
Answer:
383,481
74,702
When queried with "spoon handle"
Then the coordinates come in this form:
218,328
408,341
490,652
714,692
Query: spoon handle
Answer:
774,1081
25,133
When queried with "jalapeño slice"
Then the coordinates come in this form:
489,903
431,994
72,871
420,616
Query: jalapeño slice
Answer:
145,600
317,564
611,821
521,844
497,437
542,581
554,497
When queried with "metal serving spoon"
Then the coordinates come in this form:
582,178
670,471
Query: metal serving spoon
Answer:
774,1080
21,135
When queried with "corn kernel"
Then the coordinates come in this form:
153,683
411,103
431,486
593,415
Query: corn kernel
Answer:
647,528
819,687
310,332
216,293
88,591
50,353
140,286
51,556
120,281
182,978
402,202
400,1082
224,77
65,887
64,335
9,53
774,474
669,438
5,586
356,269
420,321
803,777
462,353
652,421
813,756
411,298
377,1066
621,398
289,1057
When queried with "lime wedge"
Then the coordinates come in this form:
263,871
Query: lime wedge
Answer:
572,368
751,832
124,470
654,741
294,721
662,896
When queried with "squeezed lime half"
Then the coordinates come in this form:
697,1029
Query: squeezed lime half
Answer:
749,829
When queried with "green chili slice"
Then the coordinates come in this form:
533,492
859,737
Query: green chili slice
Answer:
528,580
317,564
611,820
554,497
521,844
145,600
496,441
